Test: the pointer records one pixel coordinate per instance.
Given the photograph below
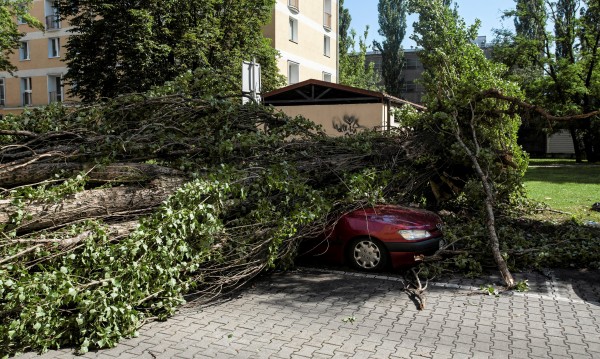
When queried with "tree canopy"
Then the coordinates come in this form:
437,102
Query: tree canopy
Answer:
344,29
122,46
558,65
392,26
353,67
466,127
10,11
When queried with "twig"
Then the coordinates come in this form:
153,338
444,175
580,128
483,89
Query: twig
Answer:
418,290
20,254
551,210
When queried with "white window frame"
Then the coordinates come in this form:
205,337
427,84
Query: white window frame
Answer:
293,69
2,92
327,14
293,30
53,47
326,46
52,15
26,91
24,51
327,77
294,5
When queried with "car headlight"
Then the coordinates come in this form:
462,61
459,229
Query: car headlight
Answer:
414,234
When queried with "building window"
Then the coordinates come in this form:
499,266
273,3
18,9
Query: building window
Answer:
412,63
24,50
293,30
55,89
293,72
409,87
52,16
327,14
326,76
54,47
294,5
327,46
26,93
20,20
2,92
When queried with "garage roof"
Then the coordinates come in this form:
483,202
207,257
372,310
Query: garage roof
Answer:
315,92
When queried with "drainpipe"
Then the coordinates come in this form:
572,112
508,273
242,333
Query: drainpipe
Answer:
389,112
337,31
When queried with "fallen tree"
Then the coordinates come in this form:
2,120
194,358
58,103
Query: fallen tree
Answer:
115,214
124,210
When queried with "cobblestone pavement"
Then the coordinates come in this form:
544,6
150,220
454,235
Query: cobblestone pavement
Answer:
313,313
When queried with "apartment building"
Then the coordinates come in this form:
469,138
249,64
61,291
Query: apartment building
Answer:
38,80
412,89
304,32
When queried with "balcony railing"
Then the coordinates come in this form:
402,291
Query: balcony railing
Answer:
27,98
327,20
52,22
294,4
54,96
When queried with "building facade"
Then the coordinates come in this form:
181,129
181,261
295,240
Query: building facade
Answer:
38,80
304,31
412,89
339,109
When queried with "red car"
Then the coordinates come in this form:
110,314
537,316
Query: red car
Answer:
372,238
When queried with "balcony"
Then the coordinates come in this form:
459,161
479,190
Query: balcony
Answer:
54,96
27,98
52,22
327,20
294,5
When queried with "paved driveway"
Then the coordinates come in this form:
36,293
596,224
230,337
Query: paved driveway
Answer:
334,314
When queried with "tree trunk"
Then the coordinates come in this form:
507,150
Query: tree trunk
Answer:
98,203
114,173
576,143
489,207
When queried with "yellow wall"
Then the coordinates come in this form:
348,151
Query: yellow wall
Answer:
338,120
308,51
39,66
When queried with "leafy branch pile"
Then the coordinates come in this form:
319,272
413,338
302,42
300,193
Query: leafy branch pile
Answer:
116,214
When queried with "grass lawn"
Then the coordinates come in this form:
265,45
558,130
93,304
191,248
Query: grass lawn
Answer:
565,186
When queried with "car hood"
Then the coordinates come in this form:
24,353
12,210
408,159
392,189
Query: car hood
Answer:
400,216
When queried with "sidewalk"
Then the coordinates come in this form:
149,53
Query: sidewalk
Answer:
313,313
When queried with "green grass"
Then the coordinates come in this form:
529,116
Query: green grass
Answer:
565,186
553,161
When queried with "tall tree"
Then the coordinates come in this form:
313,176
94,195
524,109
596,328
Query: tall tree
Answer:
392,26
344,30
564,62
525,21
353,66
355,70
120,46
464,126
10,35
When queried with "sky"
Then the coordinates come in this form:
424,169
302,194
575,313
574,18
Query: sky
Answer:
364,12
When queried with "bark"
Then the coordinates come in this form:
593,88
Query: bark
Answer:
489,205
492,93
576,143
98,203
114,173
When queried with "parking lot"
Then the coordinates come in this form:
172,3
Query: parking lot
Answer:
321,313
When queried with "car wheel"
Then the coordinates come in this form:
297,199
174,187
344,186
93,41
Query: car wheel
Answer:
367,254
